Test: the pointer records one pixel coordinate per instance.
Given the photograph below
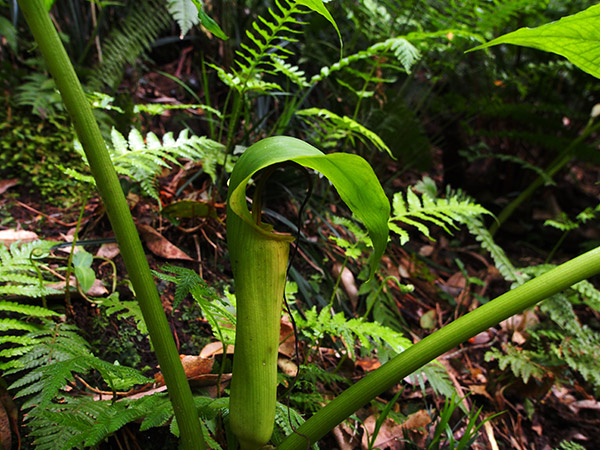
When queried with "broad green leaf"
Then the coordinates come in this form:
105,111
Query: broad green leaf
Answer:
189,208
208,22
575,37
351,176
319,7
82,262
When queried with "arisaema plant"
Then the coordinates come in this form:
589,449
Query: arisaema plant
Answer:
259,258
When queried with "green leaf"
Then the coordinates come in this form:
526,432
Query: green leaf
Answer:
208,22
82,262
351,175
318,7
575,37
189,208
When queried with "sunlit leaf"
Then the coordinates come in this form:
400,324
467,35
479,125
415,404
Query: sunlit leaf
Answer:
319,7
208,22
575,37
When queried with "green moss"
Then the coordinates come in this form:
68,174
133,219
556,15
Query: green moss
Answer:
30,148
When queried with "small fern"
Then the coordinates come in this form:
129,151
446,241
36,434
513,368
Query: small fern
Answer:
267,51
468,214
399,47
316,326
123,309
368,336
39,92
19,273
214,308
43,363
333,128
522,362
501,261
443,212
287,420
561,341
143,22
142,159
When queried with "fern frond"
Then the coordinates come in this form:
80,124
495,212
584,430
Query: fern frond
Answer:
19,274
351,331
185,14
124,309
28,310
293,73
212,305
265,54
39,92
521,362
157,109
340,127
399,47
287,420
443,212
142,158
144,21
589,294
85,421
501,261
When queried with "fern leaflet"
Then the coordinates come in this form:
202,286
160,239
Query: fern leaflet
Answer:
142,159
334,128
443,212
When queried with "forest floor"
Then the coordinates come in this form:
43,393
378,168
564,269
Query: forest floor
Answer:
451,276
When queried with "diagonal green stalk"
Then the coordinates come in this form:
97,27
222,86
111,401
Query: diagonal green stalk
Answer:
126,234
557,164
457,332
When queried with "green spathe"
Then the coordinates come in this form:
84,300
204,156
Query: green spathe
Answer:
259,259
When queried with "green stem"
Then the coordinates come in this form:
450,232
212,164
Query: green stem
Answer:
108,185
259,264
441,341
558,163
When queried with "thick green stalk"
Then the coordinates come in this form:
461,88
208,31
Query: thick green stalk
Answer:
558,163
441,341
259,263
126,234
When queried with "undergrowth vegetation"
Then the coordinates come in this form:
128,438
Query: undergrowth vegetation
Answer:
454,139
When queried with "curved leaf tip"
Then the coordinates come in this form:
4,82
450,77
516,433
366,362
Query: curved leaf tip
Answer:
351,176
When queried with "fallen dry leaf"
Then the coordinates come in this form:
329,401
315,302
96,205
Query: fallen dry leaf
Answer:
7,184
159,245
391,432
287,339
368,364
215,348
7,237
348,283
480,389
108,251
584,404
288,366
193,366
97,290
345,437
